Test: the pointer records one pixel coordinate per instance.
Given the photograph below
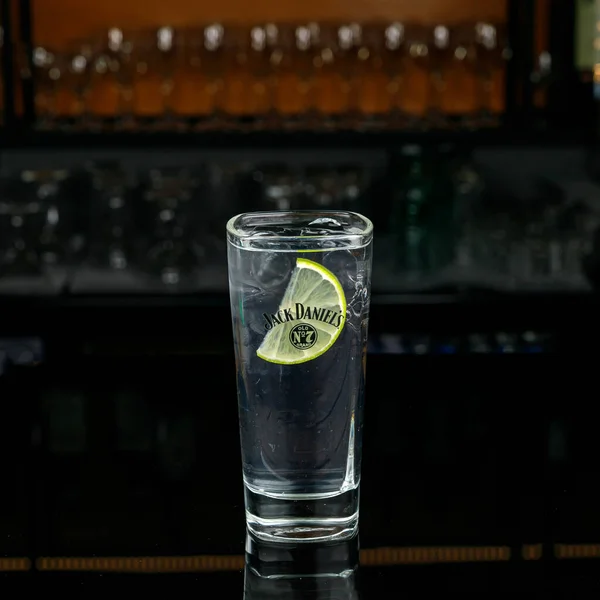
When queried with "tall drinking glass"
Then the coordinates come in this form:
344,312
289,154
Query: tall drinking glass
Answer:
300,290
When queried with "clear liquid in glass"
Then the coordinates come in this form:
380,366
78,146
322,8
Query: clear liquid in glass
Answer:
301,425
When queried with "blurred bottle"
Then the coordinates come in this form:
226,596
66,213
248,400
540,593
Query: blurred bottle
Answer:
20,230
412,194
375,84
354,181
173,249
279,187
111,234
320,187
1,76
467,190
49,187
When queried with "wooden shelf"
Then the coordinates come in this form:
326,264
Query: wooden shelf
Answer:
60,21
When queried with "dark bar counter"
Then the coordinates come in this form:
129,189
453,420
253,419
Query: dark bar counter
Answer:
121,468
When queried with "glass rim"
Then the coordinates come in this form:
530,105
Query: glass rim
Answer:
237,236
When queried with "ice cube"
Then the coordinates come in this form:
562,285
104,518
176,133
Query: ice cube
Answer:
327,222
271,269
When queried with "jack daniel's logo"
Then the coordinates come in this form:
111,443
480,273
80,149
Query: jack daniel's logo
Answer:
305,313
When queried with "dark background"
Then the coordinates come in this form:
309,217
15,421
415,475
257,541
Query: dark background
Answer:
118,423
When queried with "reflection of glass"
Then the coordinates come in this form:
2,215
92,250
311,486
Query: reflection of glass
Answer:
291,571
300,404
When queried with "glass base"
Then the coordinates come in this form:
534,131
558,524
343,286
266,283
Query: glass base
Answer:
302,517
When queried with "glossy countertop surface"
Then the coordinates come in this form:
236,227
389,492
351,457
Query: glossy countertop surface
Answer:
479,475
304,579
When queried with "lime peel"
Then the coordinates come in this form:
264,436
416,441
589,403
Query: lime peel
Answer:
315,286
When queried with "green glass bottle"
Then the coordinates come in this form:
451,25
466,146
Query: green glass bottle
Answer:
409,213
442,226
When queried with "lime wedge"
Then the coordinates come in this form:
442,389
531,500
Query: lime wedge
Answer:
310,319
